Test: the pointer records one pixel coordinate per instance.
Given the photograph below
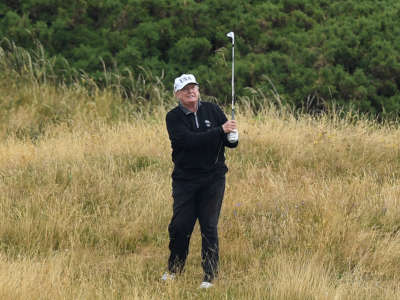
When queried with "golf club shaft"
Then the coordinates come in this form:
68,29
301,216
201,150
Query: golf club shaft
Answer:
233,78
233,136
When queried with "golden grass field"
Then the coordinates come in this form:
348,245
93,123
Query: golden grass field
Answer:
311,210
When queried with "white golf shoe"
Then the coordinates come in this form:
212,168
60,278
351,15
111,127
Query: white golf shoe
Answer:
206,285
168,276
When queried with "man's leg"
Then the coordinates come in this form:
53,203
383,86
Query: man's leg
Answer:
208,206
182,224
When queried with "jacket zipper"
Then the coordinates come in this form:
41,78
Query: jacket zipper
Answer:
219,149
197,122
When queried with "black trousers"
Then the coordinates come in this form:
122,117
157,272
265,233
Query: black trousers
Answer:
198,199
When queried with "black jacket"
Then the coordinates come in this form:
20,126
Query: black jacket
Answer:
197,140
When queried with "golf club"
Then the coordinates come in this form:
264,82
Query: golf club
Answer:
234,135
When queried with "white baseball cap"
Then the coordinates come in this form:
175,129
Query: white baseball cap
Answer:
183,80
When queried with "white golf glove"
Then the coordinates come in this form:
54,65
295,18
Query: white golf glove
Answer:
233,136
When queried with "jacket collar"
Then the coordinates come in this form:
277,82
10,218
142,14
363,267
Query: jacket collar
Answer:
185,110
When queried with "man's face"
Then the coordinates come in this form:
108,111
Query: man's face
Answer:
189,94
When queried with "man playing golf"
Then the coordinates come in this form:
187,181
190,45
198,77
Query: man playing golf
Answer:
198,134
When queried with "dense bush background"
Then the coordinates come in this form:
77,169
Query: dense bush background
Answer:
310,52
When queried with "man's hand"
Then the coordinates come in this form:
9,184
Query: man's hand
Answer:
229,126
231,129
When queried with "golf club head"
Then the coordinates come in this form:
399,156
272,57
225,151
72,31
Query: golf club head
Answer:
232,36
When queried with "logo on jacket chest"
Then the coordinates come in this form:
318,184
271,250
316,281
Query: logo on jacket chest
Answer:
207,123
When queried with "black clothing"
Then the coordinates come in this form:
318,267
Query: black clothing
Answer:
197,141
200,199
198,182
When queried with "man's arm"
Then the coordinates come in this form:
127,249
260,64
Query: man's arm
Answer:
182,137
223,120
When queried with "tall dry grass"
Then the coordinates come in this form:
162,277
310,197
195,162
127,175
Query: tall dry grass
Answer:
311,209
